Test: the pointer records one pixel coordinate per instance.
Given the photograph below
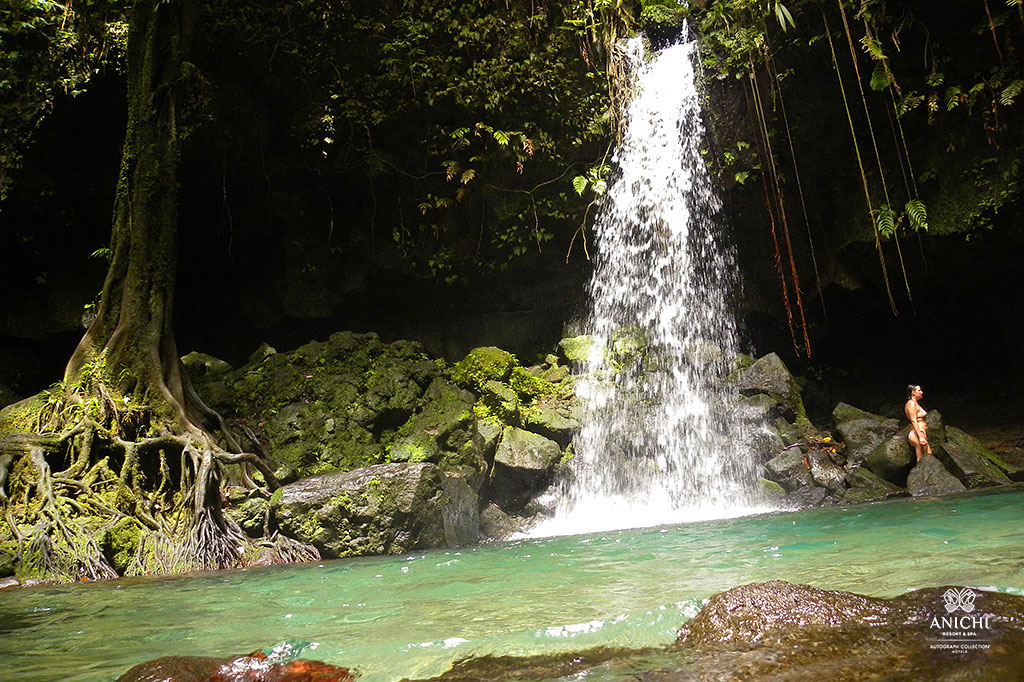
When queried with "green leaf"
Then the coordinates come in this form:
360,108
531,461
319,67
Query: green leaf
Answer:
880,78
885,221
918,214
467,176
1010,93
742,176
872,47
783,16
501,137
579,183
952,97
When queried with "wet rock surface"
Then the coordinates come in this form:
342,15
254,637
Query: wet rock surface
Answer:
255,667
778,631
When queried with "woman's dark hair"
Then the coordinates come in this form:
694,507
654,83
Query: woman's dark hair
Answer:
910,390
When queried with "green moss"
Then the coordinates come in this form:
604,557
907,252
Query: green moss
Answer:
121,542
483,364
577,348
529,387
21,417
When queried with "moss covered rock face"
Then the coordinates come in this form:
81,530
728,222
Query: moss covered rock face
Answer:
332,405
381,509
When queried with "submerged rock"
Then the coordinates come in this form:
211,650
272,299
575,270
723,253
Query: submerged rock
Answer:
781,632
254,667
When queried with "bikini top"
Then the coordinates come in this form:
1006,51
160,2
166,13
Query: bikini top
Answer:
920,410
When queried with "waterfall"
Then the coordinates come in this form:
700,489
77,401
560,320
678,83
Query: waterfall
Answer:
660,441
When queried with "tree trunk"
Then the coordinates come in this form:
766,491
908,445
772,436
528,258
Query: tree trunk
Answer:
133,329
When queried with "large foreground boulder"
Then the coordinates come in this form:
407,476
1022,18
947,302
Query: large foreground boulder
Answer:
381,509
893,459
778,631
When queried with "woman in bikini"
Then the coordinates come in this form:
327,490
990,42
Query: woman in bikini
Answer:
919,427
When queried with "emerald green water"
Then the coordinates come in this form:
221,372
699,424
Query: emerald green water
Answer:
411,616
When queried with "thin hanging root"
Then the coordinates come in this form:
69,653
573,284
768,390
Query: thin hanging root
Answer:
860,162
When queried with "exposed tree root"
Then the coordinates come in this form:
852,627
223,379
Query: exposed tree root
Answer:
109,491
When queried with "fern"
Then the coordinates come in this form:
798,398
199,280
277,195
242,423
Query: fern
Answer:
579,183
872,47
908,102
467,176
501,137
885,220
953,94
1010,93
880,78
917,214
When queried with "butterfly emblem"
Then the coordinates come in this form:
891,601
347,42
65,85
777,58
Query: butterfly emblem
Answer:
959,599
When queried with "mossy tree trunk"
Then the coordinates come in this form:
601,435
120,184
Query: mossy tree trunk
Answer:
127,461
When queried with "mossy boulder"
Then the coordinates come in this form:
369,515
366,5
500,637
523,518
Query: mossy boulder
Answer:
770,376
382,509
929,478
576,349
500,400
861,431
893,458
557,420
249,512
523,466
20,417
790,470
328,405
443,431
868,487
769,490
484,364
966,458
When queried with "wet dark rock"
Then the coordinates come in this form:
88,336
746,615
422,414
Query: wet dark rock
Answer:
966,458
556,420
861,431
770,376
781,632
381,509
460,513
790,470
255,667
811,496
868,487
523,466
929,477
495,524
825,473
893,459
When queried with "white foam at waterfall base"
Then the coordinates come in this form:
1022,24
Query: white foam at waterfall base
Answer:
662,440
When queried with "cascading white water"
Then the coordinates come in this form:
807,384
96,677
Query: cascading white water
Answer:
660,442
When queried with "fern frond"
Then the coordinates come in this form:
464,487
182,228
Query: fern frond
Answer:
1010,93
579,183
873,47
885,221
953,94
918,214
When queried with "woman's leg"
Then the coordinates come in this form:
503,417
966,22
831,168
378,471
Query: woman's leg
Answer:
918,448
